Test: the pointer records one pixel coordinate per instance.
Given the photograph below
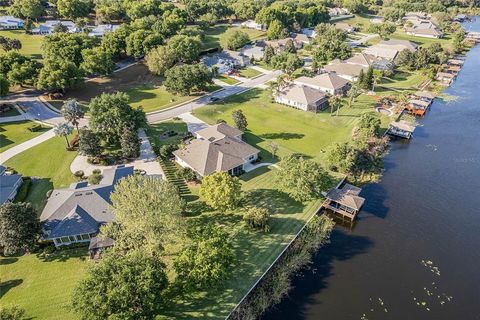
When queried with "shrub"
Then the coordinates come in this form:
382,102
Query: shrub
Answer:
97,171
79,174
257,218
95,178
166,150
186,174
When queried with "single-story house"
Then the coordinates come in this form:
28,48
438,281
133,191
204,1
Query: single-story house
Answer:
255,52
9,185
300,37
400,45
423,28
345,70
251,24
380,51
302,97
218,148
75,214
327,82
368,60
102,29
49,26
333,12
10,23
279,45
226,60
345,27
416,15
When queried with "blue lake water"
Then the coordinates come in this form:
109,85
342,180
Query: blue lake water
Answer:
415,250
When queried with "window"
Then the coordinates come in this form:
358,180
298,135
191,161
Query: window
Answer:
78,237
64,239
72,238
85,237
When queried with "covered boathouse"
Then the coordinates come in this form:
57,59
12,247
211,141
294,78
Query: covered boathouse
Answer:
344,200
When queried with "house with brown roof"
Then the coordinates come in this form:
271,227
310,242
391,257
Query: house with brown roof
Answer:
422,28
279,45
302,97
327,82
345,70
368,60
218,148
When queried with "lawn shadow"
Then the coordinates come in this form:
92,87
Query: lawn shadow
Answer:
4,141
62,255
8,260
9,284
140,93
275,201
282,135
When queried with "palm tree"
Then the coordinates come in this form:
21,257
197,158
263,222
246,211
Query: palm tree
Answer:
376,80
353,94
334,102
72,112
63,129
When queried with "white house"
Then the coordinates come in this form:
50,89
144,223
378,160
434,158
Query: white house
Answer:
226,60
326,82
102,29
49,26
302,97
10,23
251,24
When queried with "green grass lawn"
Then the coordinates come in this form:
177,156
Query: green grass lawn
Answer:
249,73
14,133
294,130
155,130
228,80
263,65
446,41
42,285
50,163
359,21
31,44
212,35
255,250
158,98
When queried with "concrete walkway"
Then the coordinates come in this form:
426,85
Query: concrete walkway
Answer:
147,160
193,123
4,156
250,167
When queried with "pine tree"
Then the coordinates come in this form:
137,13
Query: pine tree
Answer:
130,143
240,120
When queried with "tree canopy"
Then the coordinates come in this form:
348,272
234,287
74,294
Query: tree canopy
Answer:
221,191
185,79
19,227
234,39
121,286
147,214
302,179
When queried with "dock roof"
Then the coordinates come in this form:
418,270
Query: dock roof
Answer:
347,196
403,125
425,94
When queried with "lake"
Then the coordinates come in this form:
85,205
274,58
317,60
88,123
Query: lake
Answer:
414,251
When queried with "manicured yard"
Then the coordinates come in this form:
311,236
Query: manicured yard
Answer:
154,98
212,35
14,133
42,285
406,80
249,73
359,21
31,44
227,79
255,250
446,41
155,130
295,131
50,163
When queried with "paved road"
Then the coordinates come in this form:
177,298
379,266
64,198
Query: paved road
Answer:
226,92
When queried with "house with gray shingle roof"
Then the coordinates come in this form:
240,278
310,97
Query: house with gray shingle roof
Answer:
302,97
218,148
326,82
76,214
9,185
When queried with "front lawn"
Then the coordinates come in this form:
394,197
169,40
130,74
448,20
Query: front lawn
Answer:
14,133
228,80
249,73
212,35
31,44
154,98
294,130
155,131
49,162
42,285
